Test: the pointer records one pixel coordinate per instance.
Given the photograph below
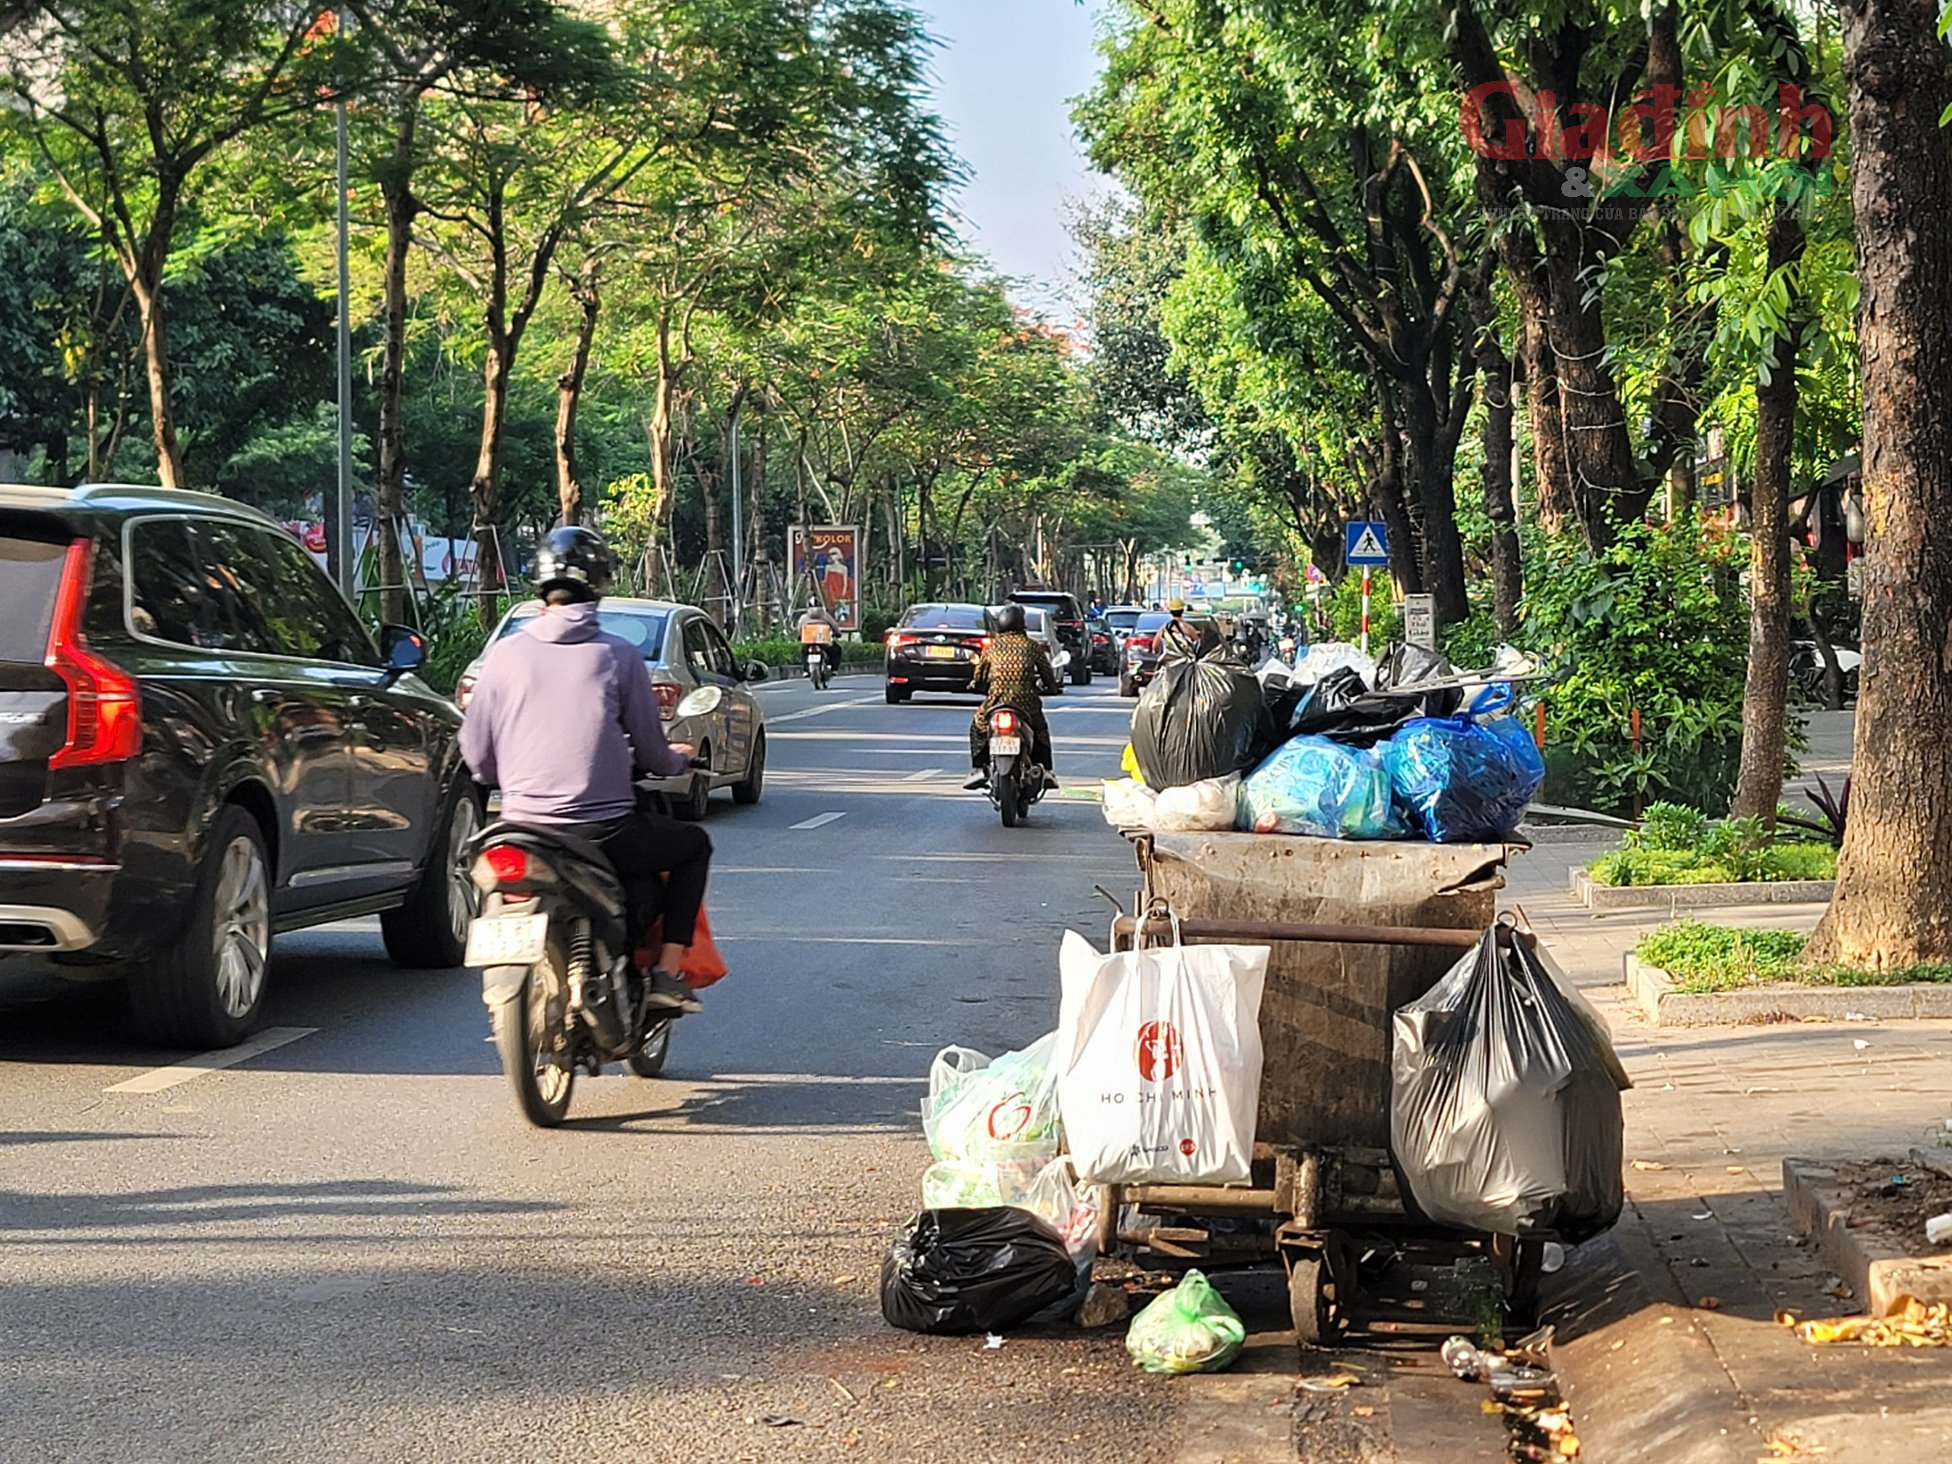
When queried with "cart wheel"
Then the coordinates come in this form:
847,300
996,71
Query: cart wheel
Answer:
1308,1299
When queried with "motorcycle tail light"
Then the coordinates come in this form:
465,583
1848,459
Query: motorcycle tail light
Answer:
508,864
1004,722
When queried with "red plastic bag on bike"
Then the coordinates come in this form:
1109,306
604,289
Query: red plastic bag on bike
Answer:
702,965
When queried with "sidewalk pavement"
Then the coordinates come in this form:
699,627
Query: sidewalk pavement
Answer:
1666,1330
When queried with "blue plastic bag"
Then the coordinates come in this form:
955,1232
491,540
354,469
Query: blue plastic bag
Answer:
1465,779
1312,785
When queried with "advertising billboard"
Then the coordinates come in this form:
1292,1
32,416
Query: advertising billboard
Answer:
831,557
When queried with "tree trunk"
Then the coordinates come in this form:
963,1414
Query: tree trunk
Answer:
147,284
1765,695
1893,901
1507,575
569,395
1433,473
665,390
484,488
1606,481
397,197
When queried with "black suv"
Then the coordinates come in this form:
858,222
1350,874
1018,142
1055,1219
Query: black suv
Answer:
201,745
1067,618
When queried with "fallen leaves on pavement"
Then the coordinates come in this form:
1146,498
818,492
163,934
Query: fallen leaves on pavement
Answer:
1907,1322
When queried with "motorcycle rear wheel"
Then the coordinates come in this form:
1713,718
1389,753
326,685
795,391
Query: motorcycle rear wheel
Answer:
1008,800
648,1060
520,1025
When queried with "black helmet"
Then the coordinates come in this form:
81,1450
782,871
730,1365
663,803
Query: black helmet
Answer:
1008,619
575,559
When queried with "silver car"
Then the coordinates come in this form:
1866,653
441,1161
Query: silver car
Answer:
683,649
1039,627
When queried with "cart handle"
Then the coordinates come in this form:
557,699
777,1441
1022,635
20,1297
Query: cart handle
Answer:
1273,930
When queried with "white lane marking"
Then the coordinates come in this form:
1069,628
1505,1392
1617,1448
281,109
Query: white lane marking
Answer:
819,820
823,709
923,776
157,1079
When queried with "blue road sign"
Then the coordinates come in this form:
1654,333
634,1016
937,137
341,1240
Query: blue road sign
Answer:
1365,542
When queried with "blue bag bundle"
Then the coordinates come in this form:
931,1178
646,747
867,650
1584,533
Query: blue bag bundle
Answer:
1313,785
1465,779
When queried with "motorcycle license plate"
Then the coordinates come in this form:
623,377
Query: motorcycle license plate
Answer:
507,940
941,653
1005,745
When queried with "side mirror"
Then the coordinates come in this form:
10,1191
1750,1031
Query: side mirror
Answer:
402,648
700,703
756,671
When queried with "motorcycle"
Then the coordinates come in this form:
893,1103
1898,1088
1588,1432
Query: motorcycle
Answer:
816,663
553,946
1016,781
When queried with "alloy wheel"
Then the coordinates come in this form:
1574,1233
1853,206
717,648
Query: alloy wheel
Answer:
241,930
462,826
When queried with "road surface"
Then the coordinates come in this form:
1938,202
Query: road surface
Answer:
349,1247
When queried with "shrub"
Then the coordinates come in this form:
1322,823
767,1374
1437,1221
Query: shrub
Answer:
1655,622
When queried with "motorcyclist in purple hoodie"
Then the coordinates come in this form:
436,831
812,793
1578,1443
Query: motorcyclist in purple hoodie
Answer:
563,719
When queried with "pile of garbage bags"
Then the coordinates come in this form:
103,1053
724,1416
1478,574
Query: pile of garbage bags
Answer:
1152,1075
1338,747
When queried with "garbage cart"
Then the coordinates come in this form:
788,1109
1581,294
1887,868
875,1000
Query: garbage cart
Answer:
1354,930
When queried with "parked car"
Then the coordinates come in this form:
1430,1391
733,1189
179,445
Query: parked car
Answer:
1104,645
933,647
1067,617
201,747
1142,649
1807,671
683,649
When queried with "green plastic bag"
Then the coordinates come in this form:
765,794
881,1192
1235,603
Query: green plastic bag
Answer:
1189,1329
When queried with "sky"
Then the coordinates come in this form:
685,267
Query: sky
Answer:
1005,73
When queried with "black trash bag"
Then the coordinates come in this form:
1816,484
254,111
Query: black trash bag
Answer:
982,1270
1202,717
1405,667
1505,1101
1344,706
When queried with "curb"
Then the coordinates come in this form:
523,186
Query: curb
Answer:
1638,1367
1652,990
1873,1271
1698,897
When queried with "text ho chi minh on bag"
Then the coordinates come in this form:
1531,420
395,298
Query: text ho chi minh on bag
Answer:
1159,1061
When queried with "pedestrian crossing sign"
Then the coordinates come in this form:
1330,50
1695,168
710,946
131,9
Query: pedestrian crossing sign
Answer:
1365,542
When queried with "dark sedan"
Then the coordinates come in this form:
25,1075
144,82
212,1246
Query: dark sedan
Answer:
1142,648
934,648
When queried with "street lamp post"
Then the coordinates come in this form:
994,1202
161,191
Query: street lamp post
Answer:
339,542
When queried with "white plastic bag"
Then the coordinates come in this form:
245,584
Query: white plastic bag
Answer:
1197,807
1327,656
980,1111
1128,804
1046,1190
1159,1061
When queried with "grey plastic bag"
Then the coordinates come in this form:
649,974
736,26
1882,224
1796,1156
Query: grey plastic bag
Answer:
1505,1101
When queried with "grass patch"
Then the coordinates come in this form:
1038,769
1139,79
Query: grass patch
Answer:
1680,846
1708,958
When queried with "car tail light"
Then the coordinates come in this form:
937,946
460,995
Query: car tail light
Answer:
1003,720
104,704
464,690
668,693
982,643
1139,642
507,863
896,642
